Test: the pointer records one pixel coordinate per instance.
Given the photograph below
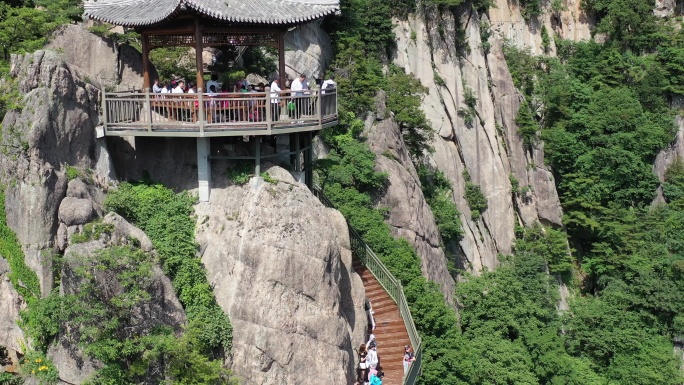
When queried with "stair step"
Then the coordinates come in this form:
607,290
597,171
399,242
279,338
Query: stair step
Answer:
390,331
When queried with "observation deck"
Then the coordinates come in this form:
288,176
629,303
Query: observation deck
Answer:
215,115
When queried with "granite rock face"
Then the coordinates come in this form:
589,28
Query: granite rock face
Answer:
488,148
308,50
666,157
102,60
11,303
280,265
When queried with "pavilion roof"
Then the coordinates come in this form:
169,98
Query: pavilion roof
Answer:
138,13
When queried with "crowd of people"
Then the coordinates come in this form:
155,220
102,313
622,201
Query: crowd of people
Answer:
293,98
369,371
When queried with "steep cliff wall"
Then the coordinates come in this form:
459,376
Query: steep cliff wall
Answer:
472,105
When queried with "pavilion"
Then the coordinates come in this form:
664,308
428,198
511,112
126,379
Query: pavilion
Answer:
215,23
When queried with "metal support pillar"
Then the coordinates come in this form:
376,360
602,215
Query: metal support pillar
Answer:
203,168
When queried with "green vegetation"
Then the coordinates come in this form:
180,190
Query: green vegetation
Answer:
474,196
35,364
22,277
91,231
268,178
106,326
240,172
167,219
527,125
439,194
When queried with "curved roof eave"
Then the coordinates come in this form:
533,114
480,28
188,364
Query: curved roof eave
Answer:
139,13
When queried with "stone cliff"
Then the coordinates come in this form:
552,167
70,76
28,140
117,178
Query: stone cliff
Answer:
481,138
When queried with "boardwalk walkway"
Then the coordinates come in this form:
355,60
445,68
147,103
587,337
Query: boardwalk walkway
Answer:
390,330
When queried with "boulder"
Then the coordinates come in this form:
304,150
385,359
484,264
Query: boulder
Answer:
279,263
76,211
162,307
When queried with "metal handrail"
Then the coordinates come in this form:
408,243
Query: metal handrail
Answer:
391,285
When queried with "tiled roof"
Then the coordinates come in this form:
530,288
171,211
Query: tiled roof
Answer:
146,12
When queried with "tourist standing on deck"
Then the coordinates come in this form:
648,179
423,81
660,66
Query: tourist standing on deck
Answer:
275,100
298,87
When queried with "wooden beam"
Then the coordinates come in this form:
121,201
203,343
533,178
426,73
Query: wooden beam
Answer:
198,55
146,64
281,59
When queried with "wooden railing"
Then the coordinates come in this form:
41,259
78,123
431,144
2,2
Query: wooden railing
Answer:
391,285
217,114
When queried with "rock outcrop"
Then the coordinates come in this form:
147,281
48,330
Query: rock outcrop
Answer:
666,157
410,216
280,265
55,130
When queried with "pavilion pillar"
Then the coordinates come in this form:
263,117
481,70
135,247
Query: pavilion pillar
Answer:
146,63
281,60
203,168
198,56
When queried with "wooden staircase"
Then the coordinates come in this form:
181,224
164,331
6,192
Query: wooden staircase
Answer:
390,330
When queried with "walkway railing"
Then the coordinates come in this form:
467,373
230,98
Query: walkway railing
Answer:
391,285
217,114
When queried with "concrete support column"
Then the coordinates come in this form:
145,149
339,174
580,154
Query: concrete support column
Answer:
308,159
203,168
257,157
297,155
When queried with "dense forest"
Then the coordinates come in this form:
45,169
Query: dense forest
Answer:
602,110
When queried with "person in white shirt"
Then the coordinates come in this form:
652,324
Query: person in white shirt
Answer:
372,358
275,100
180,88
298,87
213,82
155,87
